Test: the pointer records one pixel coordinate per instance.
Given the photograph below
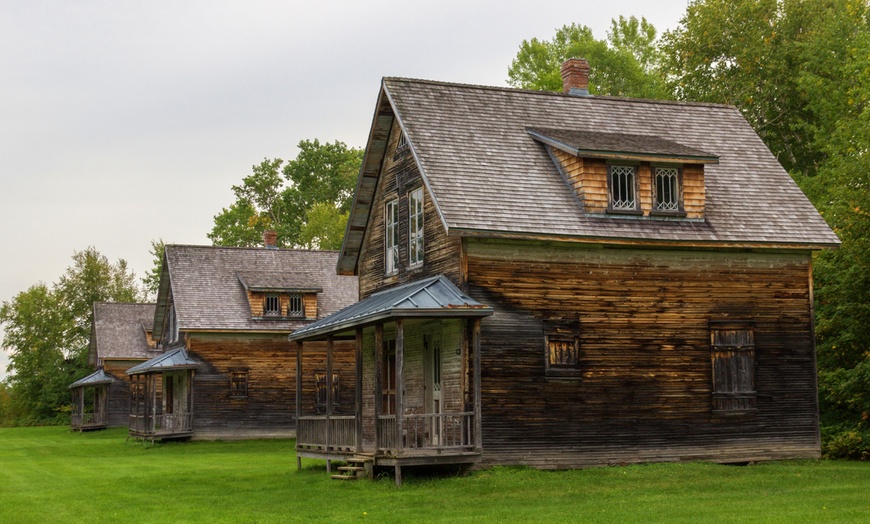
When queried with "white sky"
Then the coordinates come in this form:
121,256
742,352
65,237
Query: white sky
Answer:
123,122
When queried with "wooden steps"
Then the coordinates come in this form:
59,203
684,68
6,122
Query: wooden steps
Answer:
356,468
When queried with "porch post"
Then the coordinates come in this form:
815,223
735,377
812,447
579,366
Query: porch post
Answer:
330,343
478,423
379,381
298,397
153,379
400,381
191,375
358,391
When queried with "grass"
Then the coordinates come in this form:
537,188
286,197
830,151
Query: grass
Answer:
52,475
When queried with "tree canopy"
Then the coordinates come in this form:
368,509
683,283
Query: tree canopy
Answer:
47,330
306,200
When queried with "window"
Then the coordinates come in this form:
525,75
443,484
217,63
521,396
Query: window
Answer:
295,306
563,354
239,384
622,185
272,305
321,387
733,357
403,142
666,189
391,237
415,227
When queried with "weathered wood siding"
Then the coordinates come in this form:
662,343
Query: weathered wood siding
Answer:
644,390
399,176
119,391
588,178
270,363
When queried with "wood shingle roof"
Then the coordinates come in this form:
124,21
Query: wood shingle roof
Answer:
119,331
208,285
488,176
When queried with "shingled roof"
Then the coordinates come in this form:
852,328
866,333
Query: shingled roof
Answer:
208,285
119,331
488,175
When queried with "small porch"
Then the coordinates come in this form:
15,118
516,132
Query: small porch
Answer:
161,397
90,398
417,378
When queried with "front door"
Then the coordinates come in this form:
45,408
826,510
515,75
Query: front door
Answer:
434,401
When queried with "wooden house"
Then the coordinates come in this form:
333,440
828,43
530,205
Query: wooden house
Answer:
120,339
615,281
222,318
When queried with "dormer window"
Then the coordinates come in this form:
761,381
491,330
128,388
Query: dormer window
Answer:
666,189
622,187
295,306
272,305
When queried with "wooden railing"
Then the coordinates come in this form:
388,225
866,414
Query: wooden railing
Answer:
311,432
165,424
429,431
83,420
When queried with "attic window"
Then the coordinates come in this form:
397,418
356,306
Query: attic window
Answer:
402,143
272,305
295,306
622,188
666,189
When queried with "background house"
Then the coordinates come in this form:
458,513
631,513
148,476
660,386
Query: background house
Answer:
222,320
120,339
647,264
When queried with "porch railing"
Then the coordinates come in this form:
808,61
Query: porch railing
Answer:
83,420
311,432
166,423
428,431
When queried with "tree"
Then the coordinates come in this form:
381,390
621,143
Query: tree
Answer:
304,200
47,333
151,280
625,64
779,61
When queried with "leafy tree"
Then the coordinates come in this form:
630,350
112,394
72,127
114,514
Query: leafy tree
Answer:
304,200
625,64
779,61
151,280
47,333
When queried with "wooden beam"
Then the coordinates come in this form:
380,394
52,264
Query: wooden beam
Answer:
400,385
358,397
330,344
298,395
379,379
478,423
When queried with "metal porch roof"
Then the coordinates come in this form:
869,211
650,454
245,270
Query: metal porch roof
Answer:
97,378
172,360
431,297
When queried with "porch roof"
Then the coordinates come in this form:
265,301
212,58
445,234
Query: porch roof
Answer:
431,297
97,378
169,361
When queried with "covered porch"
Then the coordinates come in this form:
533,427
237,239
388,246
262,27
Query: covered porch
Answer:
417,380
90,400
161,396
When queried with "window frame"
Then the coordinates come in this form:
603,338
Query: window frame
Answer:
320,391
733,368
295,312
401,142
271,297
635,168
239,383
416,229
564,335
391,237
654,172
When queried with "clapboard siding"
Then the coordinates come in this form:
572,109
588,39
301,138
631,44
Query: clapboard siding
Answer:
644,388
399,176
270,362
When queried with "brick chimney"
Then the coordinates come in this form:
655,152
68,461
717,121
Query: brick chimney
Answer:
575,77
270,239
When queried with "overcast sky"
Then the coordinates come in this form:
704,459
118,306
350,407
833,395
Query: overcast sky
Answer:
123,122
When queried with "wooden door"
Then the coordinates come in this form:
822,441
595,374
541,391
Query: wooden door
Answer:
434,400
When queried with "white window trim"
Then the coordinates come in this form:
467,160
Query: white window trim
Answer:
611,190
391,241
415,228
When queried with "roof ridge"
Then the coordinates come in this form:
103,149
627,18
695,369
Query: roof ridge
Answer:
604,98
256,248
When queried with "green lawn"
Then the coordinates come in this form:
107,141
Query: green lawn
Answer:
50,475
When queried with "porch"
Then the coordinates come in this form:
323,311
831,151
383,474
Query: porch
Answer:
161,397
90,402
417,380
